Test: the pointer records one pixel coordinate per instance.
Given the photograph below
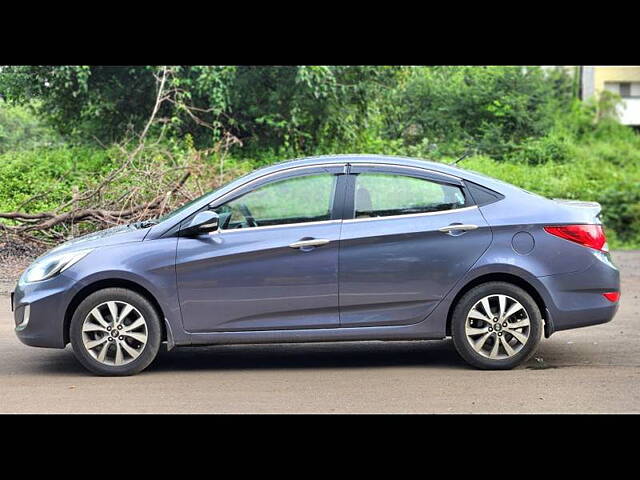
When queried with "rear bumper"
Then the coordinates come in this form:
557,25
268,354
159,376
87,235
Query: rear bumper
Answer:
576,299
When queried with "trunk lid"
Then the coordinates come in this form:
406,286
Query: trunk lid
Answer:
585,212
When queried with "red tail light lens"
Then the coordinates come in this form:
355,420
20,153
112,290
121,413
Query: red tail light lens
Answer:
612,296
591,236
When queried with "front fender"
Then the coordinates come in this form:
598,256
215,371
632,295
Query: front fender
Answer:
148,264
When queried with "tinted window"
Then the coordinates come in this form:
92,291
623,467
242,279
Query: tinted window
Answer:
381,195
294,200
482,195
625,90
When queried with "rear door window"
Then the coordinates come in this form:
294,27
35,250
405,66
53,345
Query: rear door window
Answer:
389,194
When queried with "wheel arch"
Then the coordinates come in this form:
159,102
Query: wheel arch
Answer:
111,283
508,278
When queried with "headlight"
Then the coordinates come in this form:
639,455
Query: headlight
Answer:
52,265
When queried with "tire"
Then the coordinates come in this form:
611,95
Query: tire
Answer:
469,326
129,351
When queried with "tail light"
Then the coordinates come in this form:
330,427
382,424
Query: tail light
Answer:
612,296
591,236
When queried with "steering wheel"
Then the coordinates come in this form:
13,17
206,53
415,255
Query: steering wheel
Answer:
227,221
244,210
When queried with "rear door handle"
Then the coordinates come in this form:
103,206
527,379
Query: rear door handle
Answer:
453,228
314,242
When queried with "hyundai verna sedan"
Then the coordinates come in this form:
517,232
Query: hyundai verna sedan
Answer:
352,247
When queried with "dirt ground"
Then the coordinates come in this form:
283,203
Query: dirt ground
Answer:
594,369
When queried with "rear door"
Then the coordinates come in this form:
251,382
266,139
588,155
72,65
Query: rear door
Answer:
408,235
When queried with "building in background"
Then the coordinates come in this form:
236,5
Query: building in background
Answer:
623,80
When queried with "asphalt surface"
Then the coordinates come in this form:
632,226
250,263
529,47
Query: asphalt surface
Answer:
594,369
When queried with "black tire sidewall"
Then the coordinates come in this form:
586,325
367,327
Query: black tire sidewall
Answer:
154,332
467,302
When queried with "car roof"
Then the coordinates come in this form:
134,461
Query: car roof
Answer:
354,159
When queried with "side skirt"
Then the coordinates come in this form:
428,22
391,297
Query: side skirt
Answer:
349,334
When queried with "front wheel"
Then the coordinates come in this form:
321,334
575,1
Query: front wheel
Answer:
496,326
115,332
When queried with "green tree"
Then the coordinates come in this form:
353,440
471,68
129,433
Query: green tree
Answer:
297,108
107,102
307,108
492,108
21,129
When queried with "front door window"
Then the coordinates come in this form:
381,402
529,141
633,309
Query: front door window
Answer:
302,199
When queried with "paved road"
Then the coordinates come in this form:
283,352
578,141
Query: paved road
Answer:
595,369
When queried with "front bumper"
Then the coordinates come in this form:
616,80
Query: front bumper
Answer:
46,303
576,299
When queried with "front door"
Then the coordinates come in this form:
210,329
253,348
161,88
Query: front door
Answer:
273,264
395,263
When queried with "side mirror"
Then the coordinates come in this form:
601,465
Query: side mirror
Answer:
203,222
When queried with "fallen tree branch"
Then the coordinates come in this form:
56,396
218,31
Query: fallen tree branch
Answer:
160,183
100,215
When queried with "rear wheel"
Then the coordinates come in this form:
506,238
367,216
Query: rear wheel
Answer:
115,331
496,325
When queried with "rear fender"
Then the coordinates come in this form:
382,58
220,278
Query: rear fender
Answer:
440,315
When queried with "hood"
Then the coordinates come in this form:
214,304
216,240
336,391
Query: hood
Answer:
110,236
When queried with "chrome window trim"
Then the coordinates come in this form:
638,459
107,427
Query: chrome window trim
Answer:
287,170
251,229
410,215
435,172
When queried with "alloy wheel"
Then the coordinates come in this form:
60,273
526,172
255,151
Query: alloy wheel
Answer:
497,327
114,333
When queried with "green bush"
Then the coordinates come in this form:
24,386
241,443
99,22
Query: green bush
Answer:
495,109
21,129
621,211
48,174
554,147
590,179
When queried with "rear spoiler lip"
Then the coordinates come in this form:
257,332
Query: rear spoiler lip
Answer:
594,208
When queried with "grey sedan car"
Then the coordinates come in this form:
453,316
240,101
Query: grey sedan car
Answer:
335,248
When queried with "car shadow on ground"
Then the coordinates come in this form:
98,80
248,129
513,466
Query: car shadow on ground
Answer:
434,353
427,354
424,354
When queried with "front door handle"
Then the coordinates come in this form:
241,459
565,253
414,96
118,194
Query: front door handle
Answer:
313,242
456,227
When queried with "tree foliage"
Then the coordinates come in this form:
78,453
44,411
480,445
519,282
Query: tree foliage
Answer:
20,128
510,113
526,123
492,109
298,108
83,101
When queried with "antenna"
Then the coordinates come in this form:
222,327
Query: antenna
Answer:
465,155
